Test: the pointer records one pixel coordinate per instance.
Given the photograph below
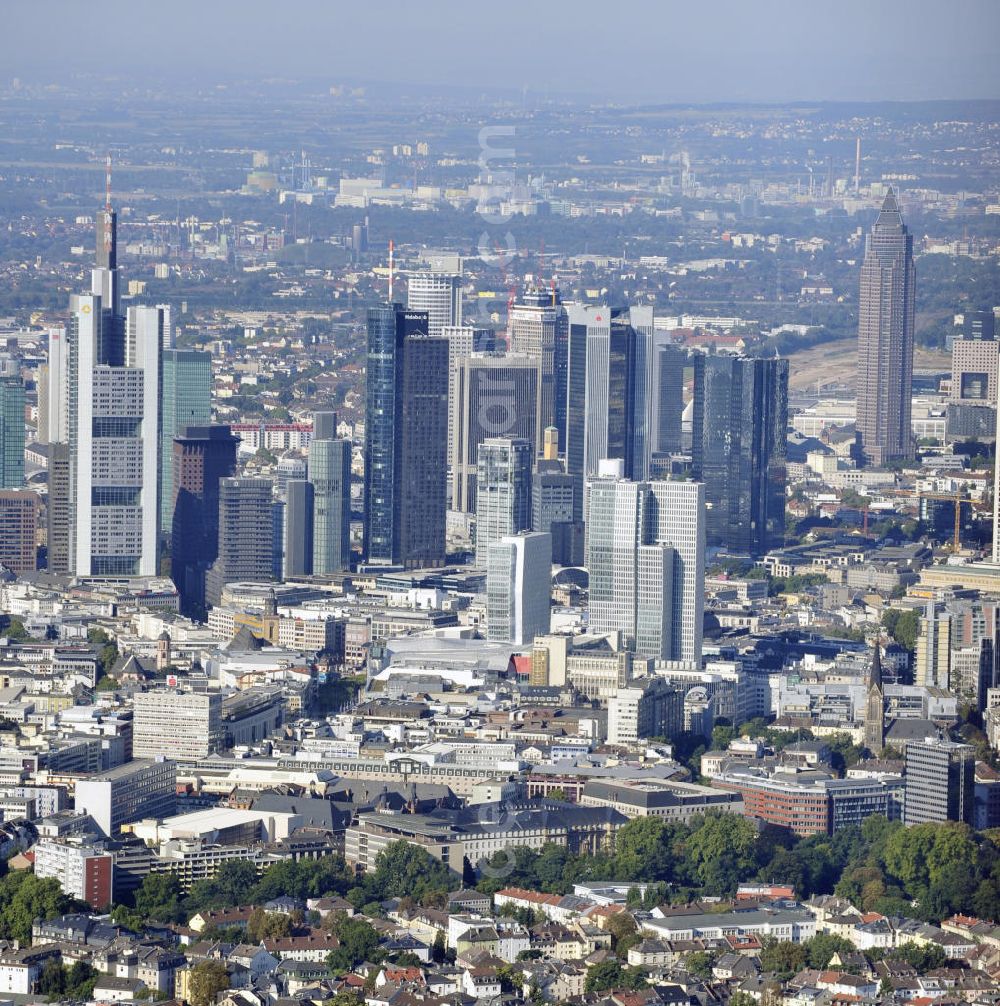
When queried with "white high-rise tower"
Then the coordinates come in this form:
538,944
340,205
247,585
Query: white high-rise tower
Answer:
645,557
518,587
113,431
440,295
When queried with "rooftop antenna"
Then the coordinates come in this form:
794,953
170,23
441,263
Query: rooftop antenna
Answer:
390,269
107,183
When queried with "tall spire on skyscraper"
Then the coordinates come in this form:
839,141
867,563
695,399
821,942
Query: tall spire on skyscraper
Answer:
107,226
104,280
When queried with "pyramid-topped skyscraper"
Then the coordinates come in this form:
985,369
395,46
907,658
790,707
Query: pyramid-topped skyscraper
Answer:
885,340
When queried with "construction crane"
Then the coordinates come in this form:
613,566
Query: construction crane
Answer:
958,500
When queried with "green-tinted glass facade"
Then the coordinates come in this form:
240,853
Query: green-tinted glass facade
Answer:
186,400
11,433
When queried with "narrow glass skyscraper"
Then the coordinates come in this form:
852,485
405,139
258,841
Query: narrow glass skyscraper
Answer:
186,401
537,326
494,396
406,436
299,524
330,476
885,340
739,424
612,389
11,433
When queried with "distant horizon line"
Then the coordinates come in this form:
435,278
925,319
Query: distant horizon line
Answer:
469,91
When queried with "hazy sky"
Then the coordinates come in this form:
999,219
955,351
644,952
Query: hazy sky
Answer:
644,50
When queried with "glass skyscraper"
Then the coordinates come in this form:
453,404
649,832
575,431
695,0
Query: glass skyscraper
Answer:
330,476
113,431
11,433
246,535
406,435
186,401
503,491
495,396
201,459
518,588
440,296
611,389
645,556
738,431
537,326
299,522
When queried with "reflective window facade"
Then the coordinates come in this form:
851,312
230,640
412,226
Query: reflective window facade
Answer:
406,433
738,451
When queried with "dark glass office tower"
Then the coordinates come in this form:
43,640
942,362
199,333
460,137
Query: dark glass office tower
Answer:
668,406
494,396
575,435
59,511
330,478
612,389
299,518
619,407
885,340
406,436
739,425
202,457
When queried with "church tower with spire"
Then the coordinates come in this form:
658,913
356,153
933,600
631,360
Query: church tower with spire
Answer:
875,705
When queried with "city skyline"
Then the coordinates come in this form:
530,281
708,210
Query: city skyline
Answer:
516,536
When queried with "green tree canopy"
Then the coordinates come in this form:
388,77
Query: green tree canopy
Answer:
402,868
358,942
641,851
159,898
611,975
700,963
24,898
231,885
783,957
823,946
208,979
903,626
267,925
720,852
